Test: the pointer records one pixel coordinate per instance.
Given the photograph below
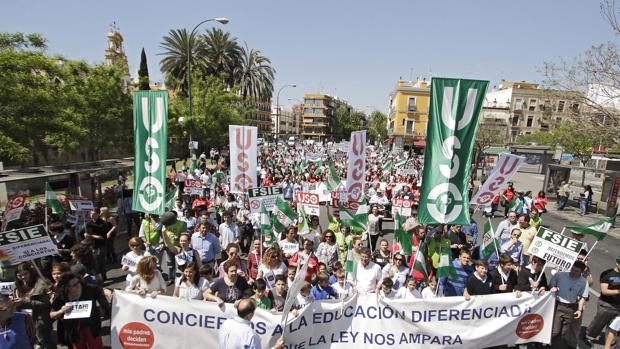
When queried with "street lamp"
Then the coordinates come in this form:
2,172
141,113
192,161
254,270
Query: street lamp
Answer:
278,107
222,20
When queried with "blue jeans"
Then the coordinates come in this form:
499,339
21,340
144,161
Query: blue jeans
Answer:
563,201
583,205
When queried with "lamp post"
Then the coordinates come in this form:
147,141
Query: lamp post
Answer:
278,107
222,20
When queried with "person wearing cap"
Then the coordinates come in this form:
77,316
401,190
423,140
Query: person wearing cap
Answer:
608,306
571,293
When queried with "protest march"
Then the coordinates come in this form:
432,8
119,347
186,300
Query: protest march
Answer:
307,244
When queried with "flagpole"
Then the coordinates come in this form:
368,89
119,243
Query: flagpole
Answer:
542,272
563,229
592,248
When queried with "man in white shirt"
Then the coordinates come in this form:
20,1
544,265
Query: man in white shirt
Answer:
229,231
368,274
237,333
504,228
379,199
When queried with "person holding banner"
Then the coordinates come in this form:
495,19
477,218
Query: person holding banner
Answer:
532,277
504,277
130,260
148,280
367,274
571,290
227,289
527,235
271,266
479,282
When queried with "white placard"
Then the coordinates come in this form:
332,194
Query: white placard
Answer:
81,205
289,247
309,202
560,251
506,167
242,158
79,310
6,288
356,173
25,244
264,196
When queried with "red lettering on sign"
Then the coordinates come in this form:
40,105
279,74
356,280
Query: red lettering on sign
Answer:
497,184
484,198
502,168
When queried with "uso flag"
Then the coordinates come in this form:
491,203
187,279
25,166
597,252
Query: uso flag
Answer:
452,125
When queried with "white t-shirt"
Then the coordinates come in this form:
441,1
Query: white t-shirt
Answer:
404,293
368,277
343,291
192,291
156,284
428,293
390,295
130,259
269,274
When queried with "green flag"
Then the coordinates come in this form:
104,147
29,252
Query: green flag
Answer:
419,263
598,229
318,168
333,180
400,163
492,245
303,227
265,224
387,168
150,122
51,200
347,219
349,264
285,214
446,268
515,204
452,125
171,197
403,237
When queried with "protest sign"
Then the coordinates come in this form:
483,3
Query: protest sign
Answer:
265,196
402,206
453,122
129,263
81,205
364,321
193,187
309,202
289,247
24,244
506,167
14,208
356,172
242,158
560,251
79,310
6,288
150,122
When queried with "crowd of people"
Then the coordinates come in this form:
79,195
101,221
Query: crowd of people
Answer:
213,249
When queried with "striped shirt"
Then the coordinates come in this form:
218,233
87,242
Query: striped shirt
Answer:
455,285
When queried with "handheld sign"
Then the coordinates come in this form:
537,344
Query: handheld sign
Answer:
24,244
81,205
558,250
79,310
264,195
309,201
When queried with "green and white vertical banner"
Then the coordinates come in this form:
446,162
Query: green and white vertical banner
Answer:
150,124
452,126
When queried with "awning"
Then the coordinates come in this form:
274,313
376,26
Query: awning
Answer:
419,144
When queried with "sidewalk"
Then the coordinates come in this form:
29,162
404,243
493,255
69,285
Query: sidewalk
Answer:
571,214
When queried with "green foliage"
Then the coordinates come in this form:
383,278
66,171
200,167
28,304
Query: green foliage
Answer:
47,104
143,73
347,120
213,109
575,138
377,126
21,41
255,75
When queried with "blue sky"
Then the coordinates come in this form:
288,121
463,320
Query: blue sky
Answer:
356,50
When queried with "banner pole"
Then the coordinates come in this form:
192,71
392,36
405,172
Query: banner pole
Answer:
542,272
563,229
592,248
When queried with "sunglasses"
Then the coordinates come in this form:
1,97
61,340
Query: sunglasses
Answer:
399,259
329,236
134,245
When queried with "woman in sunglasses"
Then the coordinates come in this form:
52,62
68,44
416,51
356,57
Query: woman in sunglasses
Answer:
327,252
130,260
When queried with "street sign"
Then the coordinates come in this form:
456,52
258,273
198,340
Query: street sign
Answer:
309,202
558,250
263,195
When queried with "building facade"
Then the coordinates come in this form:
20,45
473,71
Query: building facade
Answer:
318,116
261,118
408,114
289,122
530,108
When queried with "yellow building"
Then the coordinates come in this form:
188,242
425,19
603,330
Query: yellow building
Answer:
408,114
318,116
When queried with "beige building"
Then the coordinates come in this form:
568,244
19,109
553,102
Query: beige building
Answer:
290,121
524,108
261,118
318,116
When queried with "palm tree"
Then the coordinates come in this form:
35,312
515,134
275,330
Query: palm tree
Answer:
255,75
174,63
221,54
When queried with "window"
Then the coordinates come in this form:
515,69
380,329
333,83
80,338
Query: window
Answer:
530,121
391,124
403,122
532,106
560,106
411,105
575,107
518,104
409,128
515,121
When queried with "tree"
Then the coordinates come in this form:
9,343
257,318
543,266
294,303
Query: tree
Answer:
347,120
377,126
485,138
21,41
255,75
175,54
143,73
596,74
214,108
220,55
575,138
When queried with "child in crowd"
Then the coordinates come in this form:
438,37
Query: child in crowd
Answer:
343,287
304,297
430,291
278,294
410,290
290,275
206,272
322,290
262,301
386,290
